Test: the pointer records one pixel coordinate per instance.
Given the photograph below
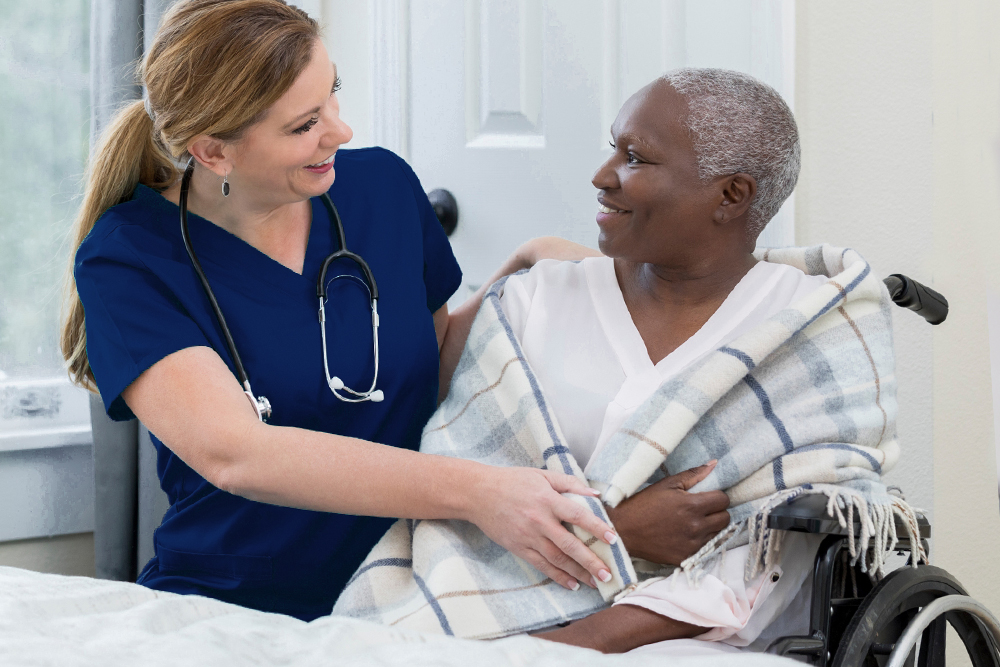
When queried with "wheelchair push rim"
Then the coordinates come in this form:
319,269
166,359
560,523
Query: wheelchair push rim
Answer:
885,613
931,613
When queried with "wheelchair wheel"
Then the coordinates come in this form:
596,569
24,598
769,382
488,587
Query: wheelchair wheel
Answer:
884,614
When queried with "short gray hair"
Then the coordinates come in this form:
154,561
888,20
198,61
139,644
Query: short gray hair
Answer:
741,124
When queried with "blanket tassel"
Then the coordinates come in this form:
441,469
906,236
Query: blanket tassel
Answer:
877,523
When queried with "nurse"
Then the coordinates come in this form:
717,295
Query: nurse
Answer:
276,516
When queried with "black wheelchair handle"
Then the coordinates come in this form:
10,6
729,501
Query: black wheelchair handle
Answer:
919,298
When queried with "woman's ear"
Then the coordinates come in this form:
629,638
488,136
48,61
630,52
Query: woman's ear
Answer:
211,154
738,192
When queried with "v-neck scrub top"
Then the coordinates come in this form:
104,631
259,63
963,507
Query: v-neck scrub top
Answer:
143,301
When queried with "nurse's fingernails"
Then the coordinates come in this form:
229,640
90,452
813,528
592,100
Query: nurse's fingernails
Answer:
573,585
604,575
594,492
610,537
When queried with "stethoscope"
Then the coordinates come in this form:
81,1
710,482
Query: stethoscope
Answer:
260,403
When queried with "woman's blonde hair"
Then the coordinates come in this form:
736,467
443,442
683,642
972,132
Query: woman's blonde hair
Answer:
215,68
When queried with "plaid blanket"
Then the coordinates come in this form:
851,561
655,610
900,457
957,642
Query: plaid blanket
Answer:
804,403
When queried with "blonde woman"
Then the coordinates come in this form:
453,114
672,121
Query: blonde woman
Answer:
276,516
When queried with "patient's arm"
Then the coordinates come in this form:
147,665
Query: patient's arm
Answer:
664,523
621,628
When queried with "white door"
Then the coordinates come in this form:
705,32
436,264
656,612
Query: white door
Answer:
508,103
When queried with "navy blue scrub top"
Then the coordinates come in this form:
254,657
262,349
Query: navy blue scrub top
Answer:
143,301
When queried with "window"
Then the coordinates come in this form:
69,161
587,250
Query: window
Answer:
44,126
44,99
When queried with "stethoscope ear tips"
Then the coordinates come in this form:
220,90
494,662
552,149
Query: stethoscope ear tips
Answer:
336,383
376,396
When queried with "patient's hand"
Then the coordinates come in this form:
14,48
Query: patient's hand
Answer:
665,524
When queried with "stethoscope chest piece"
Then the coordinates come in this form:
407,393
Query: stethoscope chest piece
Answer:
261,405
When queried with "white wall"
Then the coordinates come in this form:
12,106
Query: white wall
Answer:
898,103
966,84
993,319
864,105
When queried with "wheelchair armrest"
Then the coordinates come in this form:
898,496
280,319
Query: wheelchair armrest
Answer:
807,514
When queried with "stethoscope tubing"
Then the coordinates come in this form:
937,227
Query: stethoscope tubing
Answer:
330,381
260,403
241,373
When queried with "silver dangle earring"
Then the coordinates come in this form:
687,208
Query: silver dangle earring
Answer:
225,185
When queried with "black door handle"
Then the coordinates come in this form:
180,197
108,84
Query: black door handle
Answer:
445,208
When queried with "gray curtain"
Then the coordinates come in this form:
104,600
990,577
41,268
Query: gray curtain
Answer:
129,503
121,31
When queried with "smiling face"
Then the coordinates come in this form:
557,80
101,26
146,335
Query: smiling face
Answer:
288,156
653,207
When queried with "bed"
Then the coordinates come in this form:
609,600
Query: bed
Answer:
48,619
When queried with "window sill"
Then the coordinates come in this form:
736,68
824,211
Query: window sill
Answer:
43,413
45,438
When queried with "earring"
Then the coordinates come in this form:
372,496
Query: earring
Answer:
225,185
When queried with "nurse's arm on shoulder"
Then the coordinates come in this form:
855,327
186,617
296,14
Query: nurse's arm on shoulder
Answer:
192,402
453,328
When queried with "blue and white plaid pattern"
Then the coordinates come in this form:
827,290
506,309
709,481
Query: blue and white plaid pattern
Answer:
804,403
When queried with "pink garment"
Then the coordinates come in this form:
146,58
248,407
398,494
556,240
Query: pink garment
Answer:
738,613
721,600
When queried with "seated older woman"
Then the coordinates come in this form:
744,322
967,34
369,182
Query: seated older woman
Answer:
675,348
702,160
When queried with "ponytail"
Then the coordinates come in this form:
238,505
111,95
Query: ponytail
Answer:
195,85
127,154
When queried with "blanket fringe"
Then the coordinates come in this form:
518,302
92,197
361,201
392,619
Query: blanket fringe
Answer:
878,531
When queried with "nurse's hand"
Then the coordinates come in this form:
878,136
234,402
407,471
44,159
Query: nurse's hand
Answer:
521,509
665,523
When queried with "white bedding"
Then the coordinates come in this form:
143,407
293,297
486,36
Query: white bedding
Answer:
48,619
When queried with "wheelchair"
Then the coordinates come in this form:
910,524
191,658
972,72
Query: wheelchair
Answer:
900,620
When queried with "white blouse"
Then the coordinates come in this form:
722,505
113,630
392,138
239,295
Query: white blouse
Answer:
590,360
592,364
